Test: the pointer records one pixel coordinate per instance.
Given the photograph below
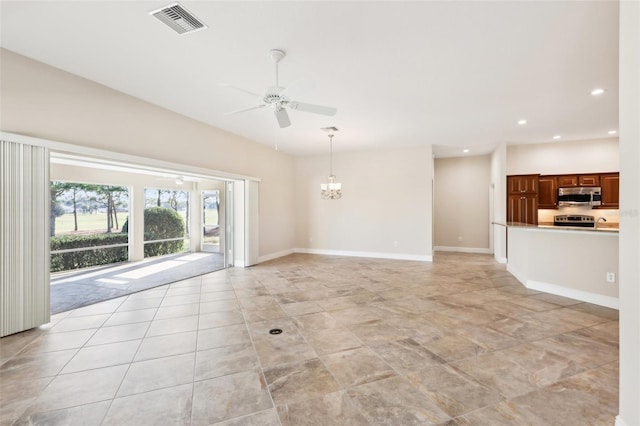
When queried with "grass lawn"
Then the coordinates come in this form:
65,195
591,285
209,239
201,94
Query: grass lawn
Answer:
87,223
97,223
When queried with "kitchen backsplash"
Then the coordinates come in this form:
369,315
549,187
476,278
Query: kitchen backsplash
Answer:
546,216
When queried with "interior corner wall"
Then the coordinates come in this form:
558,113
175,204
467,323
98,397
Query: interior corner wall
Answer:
385,210
461,203
499,198
629,394
45,102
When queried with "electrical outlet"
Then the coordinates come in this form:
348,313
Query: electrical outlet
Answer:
611,277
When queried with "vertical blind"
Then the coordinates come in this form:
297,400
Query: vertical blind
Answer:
24,237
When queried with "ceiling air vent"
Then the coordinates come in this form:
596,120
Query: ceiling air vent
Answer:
178,18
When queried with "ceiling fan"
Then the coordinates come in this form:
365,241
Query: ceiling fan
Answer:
276,97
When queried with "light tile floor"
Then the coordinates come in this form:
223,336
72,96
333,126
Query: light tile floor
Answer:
365,341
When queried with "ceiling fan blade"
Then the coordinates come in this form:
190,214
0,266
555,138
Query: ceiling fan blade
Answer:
245,109
248,92
282,117
317,109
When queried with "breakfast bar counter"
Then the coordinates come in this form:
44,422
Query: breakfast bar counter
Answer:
580,263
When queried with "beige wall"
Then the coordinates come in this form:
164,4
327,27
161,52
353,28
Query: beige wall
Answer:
41,101
461,203
629,214
585,156
385,208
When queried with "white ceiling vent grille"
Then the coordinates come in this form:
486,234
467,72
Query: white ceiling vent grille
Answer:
178,18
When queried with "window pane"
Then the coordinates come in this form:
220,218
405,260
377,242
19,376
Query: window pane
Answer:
166,217
84,216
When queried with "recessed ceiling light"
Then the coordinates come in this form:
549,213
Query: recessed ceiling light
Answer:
522,122
612,132
597,91
556,137
465,150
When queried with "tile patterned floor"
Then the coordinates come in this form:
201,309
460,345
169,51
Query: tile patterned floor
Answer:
365,341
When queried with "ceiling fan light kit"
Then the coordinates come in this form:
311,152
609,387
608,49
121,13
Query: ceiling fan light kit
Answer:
331,190
276,98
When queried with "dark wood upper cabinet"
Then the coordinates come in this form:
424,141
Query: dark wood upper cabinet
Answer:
548,192
522,184
588,180
610,183
567,181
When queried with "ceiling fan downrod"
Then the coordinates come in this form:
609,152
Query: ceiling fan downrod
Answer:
277,55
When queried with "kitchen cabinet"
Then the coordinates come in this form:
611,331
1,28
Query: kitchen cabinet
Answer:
522,184
548,192
567,181
588,180
610,183
528,193
522,208
522,199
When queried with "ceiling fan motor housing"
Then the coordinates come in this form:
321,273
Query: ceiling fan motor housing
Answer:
273,96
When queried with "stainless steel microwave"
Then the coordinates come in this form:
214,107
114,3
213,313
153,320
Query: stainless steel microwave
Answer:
580,196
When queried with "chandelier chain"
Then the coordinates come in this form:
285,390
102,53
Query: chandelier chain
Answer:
331,155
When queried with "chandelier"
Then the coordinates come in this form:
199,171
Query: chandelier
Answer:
331,190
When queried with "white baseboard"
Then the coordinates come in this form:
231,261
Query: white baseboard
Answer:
463,249
275,255
502,260
519,275
619,421
395,256
572,293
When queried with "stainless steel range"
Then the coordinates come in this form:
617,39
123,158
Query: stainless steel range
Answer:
574,220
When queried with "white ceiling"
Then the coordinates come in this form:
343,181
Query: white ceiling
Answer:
452,74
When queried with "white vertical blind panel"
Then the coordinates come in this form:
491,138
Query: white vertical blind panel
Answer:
24,237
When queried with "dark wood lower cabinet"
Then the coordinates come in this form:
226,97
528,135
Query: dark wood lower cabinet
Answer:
522,209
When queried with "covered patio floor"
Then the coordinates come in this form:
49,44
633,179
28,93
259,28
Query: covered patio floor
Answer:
75,289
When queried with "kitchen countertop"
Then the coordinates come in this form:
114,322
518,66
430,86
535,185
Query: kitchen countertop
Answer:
602,227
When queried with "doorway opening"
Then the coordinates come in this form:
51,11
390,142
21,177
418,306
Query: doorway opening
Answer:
159,216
